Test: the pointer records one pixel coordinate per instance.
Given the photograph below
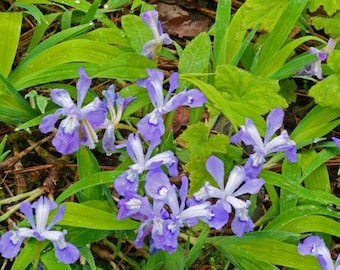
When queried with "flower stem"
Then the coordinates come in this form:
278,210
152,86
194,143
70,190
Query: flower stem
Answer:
37,256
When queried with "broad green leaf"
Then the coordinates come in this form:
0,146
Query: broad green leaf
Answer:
327,92
260,250
254,91
330,6
65,52
255,12
174,260
10,29
312,223
79,215
279,35
196,55
136,31
126,66
317,123
201,145
333,61
27,254
90,181
112,36
330,25
87,166
318,179
300,211
83,236
292,171
33,11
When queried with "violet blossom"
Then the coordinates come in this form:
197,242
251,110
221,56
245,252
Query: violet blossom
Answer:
238,184
78,128
116,105
152,48
249,135
129,180
315,246
11,241
315,69
151,127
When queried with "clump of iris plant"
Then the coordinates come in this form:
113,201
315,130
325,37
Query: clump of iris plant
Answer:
11,241
315,246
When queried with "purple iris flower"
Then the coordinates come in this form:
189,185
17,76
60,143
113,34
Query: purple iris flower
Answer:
250,136
238,184
315,246
78,128
11,241
152,48
315,68
129,180
116,105
152,125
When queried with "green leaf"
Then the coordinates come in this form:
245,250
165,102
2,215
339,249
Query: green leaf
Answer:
201,146
19,110
253,91
318,178
330,25
51,262
10,29
174,260
327,92
221,32
33,11
263,250
79,215
333,61
330,6
279,35
87,166
255,12
136,31
196,55
317,123
106,177
197,247
65,52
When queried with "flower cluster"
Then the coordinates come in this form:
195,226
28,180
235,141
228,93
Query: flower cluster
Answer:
315,246
11,241
165,209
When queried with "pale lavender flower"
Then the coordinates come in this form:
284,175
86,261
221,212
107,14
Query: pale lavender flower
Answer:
238,184
151,127
129,180
116,105
152,48
78,128
249,135
11,241
315,68
315,246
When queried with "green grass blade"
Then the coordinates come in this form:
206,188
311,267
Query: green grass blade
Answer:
279,34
